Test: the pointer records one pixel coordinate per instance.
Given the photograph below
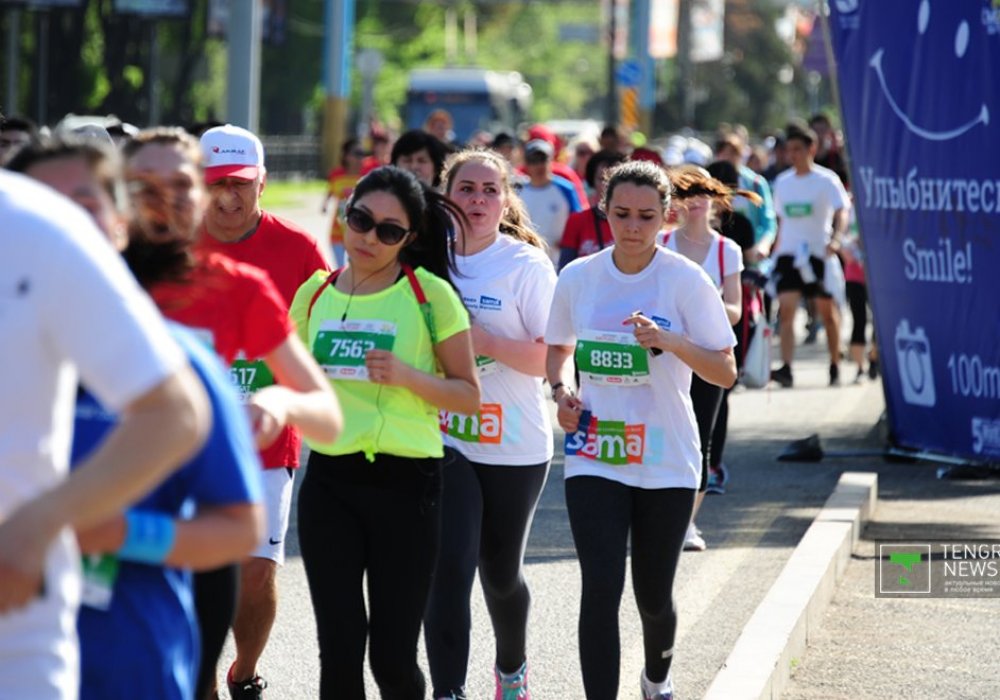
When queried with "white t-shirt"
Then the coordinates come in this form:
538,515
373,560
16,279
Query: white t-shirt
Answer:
548,208
642,435
69,308
507,289
732,256
805,205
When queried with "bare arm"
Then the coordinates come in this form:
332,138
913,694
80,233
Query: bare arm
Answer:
218,535
157,433
714,366
457,391
302,398
559,370
840,221
526,356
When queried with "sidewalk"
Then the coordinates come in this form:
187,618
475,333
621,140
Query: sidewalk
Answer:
872,648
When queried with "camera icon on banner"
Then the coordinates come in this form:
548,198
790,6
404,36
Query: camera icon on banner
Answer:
913,355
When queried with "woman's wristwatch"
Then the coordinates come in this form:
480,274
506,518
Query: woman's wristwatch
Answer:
557,386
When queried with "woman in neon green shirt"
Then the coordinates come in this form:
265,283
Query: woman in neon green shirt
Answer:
392,335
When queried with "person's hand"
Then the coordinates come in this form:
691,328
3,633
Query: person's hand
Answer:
648,334
832,247
755,254
385,368
109,536
482,340
268,415
568,412
24,541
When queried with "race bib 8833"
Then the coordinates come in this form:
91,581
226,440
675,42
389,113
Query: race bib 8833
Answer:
604,357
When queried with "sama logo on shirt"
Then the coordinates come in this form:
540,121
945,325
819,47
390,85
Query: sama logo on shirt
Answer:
610,442
663,323
486,427
486,302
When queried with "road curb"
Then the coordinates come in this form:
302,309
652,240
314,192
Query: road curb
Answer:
759,666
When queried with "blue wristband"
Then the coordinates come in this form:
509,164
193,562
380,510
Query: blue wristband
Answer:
149,537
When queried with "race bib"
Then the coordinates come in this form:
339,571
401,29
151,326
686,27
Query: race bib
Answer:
341,346
99,574
250,376
486,365
797,210
614,359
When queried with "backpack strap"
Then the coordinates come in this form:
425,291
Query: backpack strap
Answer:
722,266
597,228
330,279
418,292
425,305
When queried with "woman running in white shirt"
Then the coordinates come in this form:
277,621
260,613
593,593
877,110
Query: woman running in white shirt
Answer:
639,320
497,461
697,195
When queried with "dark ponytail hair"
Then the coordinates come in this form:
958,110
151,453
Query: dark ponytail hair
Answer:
434,218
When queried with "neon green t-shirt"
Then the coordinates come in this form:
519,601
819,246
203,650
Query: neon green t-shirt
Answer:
378,418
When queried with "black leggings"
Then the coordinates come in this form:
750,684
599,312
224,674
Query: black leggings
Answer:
382,518
602,515
487,513
857,297
215,595
706,399
720,431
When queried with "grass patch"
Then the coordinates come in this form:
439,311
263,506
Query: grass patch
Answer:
280,194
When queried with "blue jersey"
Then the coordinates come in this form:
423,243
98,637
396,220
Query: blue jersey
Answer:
146,640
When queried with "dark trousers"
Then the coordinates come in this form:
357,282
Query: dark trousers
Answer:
706,399
487,513
382,519
215,596
603,514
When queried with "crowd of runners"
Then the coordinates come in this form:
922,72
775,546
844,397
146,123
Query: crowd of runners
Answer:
171,344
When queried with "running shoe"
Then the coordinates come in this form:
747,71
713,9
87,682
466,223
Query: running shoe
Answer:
872,368
453,695
250,689
512,686
783,375
655,695
693,541
812,330
716,481
859,376
834,374
723,473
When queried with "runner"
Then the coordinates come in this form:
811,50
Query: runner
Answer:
238,311
55,327
370,504
587,232
340,184
137,626
812,206
236,226
496,460
697,194
422,154
640,319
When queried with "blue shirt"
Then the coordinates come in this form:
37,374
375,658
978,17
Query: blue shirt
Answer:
147,641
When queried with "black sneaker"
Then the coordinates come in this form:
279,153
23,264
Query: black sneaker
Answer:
812,330
783,376
872,368
834,374
250,689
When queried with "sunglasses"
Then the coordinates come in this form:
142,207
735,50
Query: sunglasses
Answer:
362,222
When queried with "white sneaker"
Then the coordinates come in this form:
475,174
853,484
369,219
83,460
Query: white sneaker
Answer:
693,541
645,694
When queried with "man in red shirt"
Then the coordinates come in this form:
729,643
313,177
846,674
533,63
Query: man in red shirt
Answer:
235,225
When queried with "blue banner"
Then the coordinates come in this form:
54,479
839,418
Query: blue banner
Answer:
920,91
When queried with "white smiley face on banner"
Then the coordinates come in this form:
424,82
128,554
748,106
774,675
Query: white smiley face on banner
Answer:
961,47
